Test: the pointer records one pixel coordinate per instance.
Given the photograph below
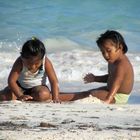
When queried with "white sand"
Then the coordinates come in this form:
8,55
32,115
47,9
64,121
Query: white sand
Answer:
86,119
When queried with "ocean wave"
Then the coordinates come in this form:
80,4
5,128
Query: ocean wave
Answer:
71,65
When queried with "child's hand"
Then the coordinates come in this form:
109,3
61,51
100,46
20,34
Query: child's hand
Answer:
89,78
25,98
107,102
56,100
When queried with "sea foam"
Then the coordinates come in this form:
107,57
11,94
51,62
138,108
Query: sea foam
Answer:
70,63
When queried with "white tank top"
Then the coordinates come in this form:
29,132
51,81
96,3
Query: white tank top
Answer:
27,79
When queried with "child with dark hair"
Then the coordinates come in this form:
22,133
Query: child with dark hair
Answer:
28,77
115,36
120,77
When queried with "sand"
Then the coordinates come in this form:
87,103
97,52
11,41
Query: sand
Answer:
86,119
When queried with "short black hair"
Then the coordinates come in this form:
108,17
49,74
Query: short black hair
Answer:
33,47
115,36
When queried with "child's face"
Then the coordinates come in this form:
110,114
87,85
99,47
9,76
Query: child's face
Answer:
32,63
110,51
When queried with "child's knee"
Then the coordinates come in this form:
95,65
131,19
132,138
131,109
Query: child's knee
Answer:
44,95
6,95
41,95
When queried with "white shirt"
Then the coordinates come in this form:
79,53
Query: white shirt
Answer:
27,79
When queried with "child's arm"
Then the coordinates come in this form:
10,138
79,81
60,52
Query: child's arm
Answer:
53,80
118,76
92,78
12,80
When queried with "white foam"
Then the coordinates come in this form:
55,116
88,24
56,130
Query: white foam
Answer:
59,44
71,65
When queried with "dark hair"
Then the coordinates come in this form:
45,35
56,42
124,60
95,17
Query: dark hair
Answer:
115,36
33,47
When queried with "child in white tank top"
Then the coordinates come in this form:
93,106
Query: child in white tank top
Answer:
28,77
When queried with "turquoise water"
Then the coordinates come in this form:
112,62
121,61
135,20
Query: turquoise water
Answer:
80,21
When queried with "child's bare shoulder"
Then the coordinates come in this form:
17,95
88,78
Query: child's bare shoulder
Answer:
18,63
125,65
124,61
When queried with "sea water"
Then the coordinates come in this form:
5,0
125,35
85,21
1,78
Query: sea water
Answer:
69,29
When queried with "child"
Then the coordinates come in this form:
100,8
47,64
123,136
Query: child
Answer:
28,77
120,77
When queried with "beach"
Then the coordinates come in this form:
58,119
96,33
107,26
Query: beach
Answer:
69,30
85,119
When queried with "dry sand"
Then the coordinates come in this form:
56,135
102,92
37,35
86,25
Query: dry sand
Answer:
85,119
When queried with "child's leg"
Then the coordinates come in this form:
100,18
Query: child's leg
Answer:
63,96
40,93
73,96
6,95
101,93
